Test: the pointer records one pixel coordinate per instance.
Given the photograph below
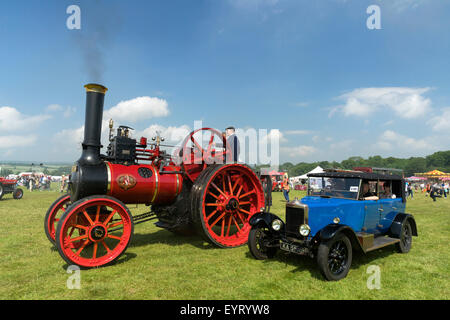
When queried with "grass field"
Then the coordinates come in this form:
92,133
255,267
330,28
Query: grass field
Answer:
161,265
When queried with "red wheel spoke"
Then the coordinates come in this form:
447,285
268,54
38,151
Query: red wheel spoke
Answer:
235,222
196,144
245,211
247,194
217,220
80,227
82,247
115,224
239,191
71,231
106,247
240,217
244,203
229,184
212,194
109,217
63,209
229,225
56,220
114,237
88,218
78,238
223,227
97,215
212,214
94,254
214,185
235,184
213,204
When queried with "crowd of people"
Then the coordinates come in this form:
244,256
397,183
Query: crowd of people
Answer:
433,190
41,182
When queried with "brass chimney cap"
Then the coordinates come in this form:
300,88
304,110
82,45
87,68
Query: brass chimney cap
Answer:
93,87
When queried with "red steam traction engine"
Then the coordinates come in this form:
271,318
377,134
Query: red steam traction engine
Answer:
194,191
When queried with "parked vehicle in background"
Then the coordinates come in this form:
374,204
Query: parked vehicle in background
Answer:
10,186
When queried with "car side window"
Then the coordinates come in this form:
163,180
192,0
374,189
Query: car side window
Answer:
369,190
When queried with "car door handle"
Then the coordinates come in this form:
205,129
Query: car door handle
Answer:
381,210
395,208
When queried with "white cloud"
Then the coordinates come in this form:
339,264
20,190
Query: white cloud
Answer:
13,141
299,151
141,108
393,141
297,132
54,107
441,122
405,102
12,120
170,134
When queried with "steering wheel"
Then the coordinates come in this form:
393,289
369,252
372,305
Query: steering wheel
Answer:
195,158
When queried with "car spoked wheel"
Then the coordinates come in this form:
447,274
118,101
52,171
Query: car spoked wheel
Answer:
94,231
18,194
405,238
224,198
54,213
335,257
258,244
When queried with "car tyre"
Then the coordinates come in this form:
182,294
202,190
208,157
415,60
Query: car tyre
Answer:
256,239
334,257
405,238
1,192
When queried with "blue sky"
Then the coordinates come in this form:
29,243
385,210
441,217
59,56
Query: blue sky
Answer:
310,71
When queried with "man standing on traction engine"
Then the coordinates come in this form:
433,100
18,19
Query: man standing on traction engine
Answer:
233,145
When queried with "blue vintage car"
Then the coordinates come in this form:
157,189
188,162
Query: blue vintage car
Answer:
343,211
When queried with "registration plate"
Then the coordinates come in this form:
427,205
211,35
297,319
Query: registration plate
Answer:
293,248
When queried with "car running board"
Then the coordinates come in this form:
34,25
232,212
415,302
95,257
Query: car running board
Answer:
381,242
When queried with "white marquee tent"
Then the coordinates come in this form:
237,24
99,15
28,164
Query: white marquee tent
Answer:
317,169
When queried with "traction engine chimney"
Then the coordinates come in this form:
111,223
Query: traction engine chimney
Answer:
95,95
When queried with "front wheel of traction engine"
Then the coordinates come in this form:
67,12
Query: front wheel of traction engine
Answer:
224,198
94,231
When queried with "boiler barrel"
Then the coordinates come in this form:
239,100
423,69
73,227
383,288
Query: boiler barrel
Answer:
143,183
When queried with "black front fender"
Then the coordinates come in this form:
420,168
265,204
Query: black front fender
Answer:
332,230
263,219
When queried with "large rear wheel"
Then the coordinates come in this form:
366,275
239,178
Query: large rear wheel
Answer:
224,198
94,231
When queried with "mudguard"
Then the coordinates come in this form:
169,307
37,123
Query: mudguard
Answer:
396,226
263,218
331,230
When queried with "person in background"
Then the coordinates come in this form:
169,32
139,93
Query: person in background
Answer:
286,189
410,190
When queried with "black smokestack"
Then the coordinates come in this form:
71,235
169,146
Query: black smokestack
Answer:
95,95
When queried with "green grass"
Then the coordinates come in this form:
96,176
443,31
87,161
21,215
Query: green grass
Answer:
161,265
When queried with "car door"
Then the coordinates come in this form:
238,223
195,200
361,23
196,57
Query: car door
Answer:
371,216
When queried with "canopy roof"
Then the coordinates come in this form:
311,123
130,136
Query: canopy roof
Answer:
434,174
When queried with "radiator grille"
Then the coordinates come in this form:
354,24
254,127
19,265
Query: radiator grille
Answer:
295,217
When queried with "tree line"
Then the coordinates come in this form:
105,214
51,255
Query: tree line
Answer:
439,160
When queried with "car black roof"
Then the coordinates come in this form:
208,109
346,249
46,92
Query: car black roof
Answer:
356,174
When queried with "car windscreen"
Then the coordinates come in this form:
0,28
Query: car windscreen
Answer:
347,188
